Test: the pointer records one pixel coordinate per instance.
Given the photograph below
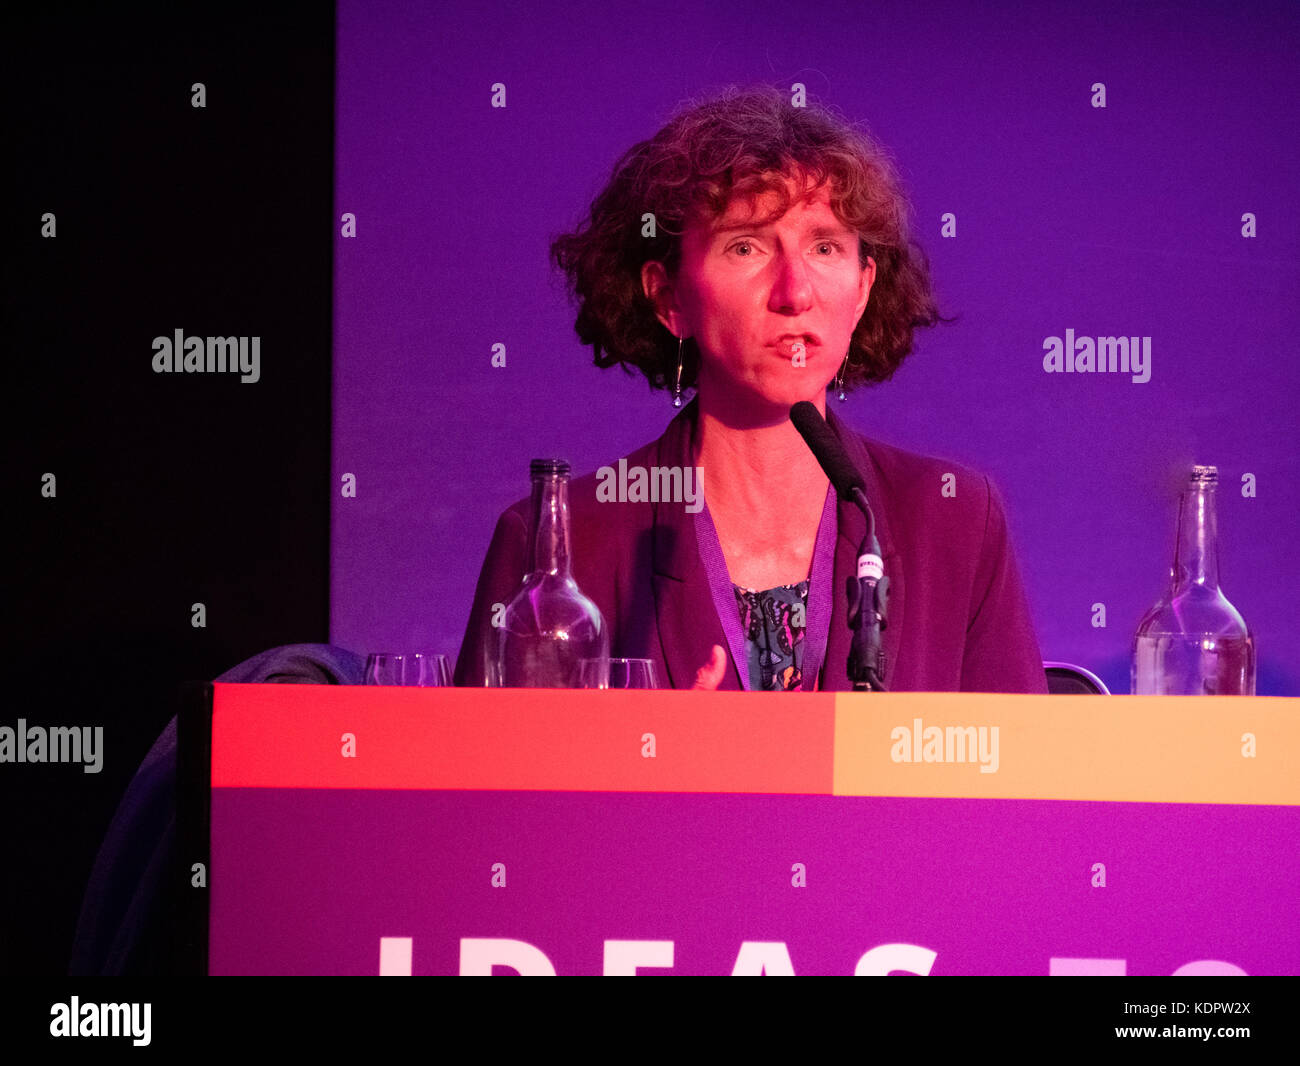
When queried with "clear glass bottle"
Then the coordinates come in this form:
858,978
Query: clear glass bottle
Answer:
549,626
1194,642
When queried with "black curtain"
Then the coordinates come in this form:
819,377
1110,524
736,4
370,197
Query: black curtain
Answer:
138,213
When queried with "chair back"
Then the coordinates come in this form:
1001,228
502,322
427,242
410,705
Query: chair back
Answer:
1066,679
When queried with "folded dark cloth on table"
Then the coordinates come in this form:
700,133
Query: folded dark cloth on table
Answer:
123,928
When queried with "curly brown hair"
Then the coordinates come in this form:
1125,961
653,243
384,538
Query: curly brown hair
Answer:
737,144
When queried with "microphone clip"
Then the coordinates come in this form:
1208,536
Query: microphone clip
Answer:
868,608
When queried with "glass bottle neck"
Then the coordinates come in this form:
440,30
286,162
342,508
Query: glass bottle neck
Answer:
551,524
1196,553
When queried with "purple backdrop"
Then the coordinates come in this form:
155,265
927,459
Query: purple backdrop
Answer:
1122,220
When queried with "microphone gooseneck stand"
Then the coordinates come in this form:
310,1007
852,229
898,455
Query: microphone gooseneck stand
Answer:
868,594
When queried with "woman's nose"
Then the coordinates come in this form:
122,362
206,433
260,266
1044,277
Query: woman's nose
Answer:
792,286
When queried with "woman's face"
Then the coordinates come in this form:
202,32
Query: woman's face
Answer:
750,294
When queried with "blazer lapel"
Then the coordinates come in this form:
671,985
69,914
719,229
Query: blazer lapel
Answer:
684,613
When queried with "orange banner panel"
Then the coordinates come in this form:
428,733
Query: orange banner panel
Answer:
1153,749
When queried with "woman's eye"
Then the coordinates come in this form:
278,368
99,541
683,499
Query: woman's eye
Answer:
834,247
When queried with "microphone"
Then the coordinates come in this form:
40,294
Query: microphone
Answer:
825,446
868,593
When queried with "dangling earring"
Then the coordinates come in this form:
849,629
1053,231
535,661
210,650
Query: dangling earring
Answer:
839,378
677,391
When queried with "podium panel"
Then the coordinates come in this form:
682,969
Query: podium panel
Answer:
464,831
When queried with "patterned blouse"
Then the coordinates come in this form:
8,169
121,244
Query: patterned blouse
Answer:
774,622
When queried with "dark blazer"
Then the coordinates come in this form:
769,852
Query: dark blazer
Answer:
958,619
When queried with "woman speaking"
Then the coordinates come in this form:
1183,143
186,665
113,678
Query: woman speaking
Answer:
759,253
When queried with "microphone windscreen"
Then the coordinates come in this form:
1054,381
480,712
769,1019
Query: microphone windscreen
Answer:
823,443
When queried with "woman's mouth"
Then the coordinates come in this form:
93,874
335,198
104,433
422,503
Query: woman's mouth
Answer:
792,346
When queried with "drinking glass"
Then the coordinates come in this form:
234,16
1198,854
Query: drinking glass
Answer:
407,668
618,673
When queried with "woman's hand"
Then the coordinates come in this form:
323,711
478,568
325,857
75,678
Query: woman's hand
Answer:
709,676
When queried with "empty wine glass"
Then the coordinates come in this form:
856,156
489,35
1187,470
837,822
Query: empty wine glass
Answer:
407,668
617,673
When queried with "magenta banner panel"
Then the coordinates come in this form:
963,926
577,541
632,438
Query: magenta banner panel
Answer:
308,881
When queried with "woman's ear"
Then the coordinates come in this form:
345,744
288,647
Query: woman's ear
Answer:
868,280
655,285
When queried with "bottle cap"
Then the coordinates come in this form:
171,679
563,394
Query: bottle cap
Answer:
1205,473
549,468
